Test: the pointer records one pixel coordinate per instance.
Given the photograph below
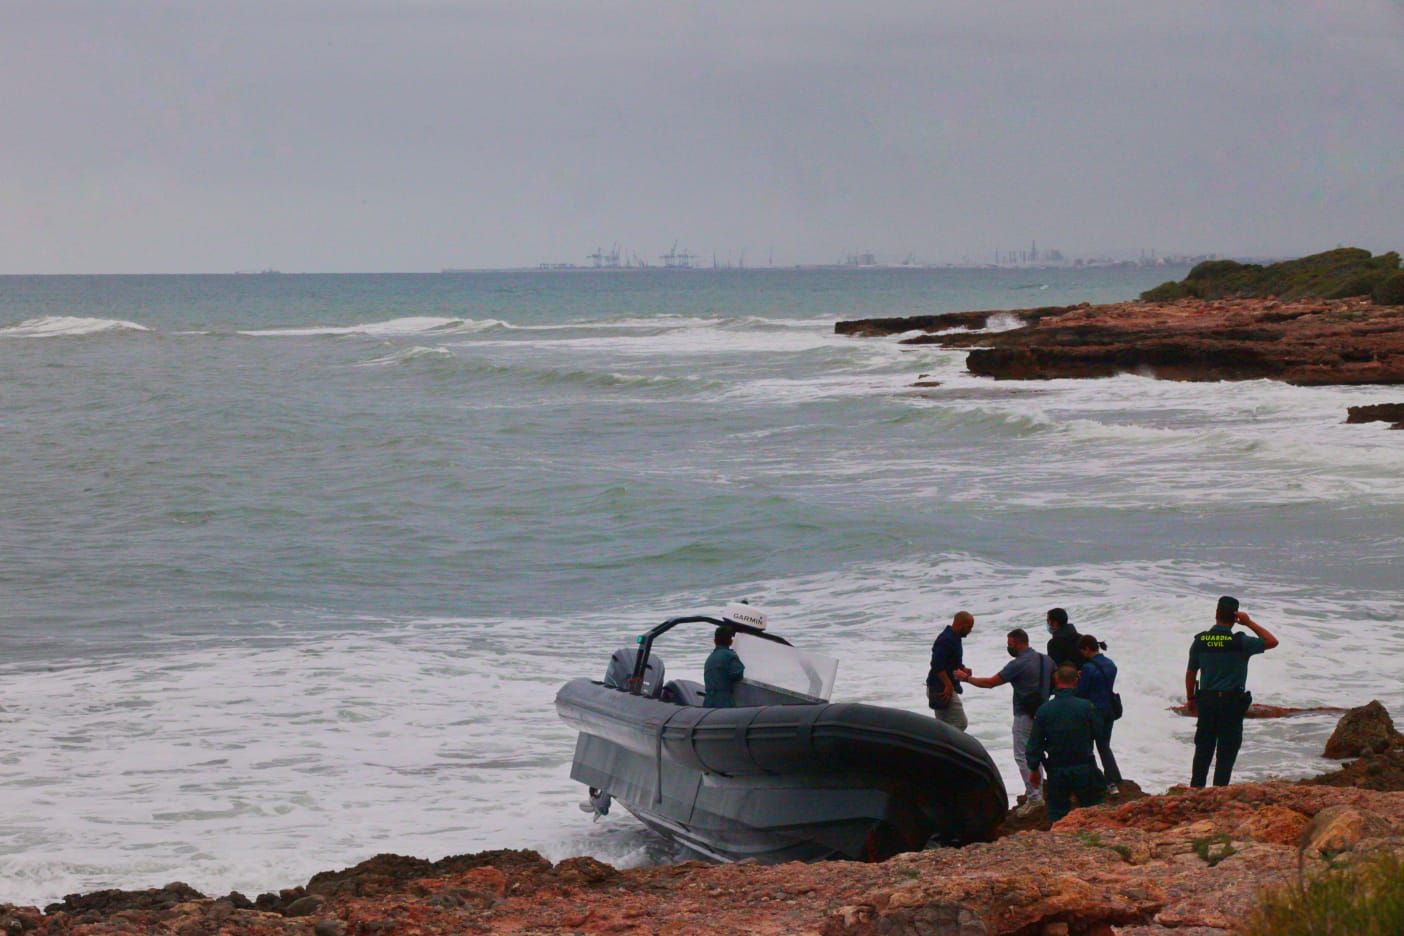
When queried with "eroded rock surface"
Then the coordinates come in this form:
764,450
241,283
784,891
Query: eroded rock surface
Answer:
1379,412
1257,710
1303,341
1367,728
1191,862
1188,863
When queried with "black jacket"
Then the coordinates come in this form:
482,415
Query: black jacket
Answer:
1062,646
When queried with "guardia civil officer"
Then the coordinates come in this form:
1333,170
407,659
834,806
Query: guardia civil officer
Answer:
1219,656
1064,731
722,671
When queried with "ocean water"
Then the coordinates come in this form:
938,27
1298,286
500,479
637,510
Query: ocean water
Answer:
293,565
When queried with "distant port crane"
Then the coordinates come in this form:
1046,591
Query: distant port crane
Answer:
673,260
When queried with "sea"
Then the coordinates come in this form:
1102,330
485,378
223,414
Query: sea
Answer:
292,566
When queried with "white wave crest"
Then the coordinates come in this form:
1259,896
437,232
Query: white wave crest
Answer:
1004,321
57,326
409,325
405,355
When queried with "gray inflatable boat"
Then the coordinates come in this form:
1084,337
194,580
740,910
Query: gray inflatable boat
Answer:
786,775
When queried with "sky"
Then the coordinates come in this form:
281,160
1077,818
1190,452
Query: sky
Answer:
413,135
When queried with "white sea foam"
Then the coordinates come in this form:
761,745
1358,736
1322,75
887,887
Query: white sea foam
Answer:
254,767
1004,321
398,327
59,326
406,355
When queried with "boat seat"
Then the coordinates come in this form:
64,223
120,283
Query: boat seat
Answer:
683,692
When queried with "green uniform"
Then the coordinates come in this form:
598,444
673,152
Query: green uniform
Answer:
720,675
1064,731
1220,657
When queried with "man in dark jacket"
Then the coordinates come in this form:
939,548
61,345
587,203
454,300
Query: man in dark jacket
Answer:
1219,657
947,670
1062,646
722,671
1064,731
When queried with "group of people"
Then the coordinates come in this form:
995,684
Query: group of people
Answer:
1065,702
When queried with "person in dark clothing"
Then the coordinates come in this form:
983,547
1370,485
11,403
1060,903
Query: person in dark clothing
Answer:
947,670
1062,646
1064,731
1096,683
1219,657
722,671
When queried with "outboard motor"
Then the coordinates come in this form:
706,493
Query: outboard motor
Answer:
621,668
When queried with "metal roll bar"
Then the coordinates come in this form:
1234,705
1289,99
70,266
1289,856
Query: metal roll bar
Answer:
646,641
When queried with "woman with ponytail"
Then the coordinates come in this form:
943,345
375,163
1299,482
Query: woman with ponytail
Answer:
1096,683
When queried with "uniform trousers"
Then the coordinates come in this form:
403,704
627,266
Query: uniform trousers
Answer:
1218,735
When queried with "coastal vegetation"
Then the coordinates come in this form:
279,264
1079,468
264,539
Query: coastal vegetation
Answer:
1334,274
1362,899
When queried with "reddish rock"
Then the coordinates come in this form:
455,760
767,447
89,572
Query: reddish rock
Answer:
1193,862
1367,728
1036,818
1305,341
1339,829
1380,412
1276,825
1384,772
1270,711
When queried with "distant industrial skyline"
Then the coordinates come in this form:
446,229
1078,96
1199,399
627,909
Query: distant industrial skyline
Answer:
358,135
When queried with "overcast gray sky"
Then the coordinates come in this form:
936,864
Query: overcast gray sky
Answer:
412,135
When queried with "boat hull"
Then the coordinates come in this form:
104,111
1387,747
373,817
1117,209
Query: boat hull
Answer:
784,782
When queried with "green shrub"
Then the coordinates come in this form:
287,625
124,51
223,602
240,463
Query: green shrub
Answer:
1334,274
1167,292
1214,849
1389,290
1365,899
1215,269
1362,285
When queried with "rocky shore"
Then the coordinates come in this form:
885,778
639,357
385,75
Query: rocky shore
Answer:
1187,863
1302,341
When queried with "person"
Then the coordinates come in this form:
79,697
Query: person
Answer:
1064,731
1219,657
1062,646
947,669
1030,674
722,671
1095,683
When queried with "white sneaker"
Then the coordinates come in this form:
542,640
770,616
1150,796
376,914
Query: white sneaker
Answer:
1112,790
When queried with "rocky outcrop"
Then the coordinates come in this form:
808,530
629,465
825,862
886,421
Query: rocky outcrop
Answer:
1380,412
1304,341
1188,863
872,328
1033,818
1257,710
1366,733
1371,772
1191,862
1367,728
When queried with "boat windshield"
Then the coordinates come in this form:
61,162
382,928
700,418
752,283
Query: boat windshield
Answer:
786,669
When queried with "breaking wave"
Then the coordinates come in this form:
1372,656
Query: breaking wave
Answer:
391,328
57,326
406,355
